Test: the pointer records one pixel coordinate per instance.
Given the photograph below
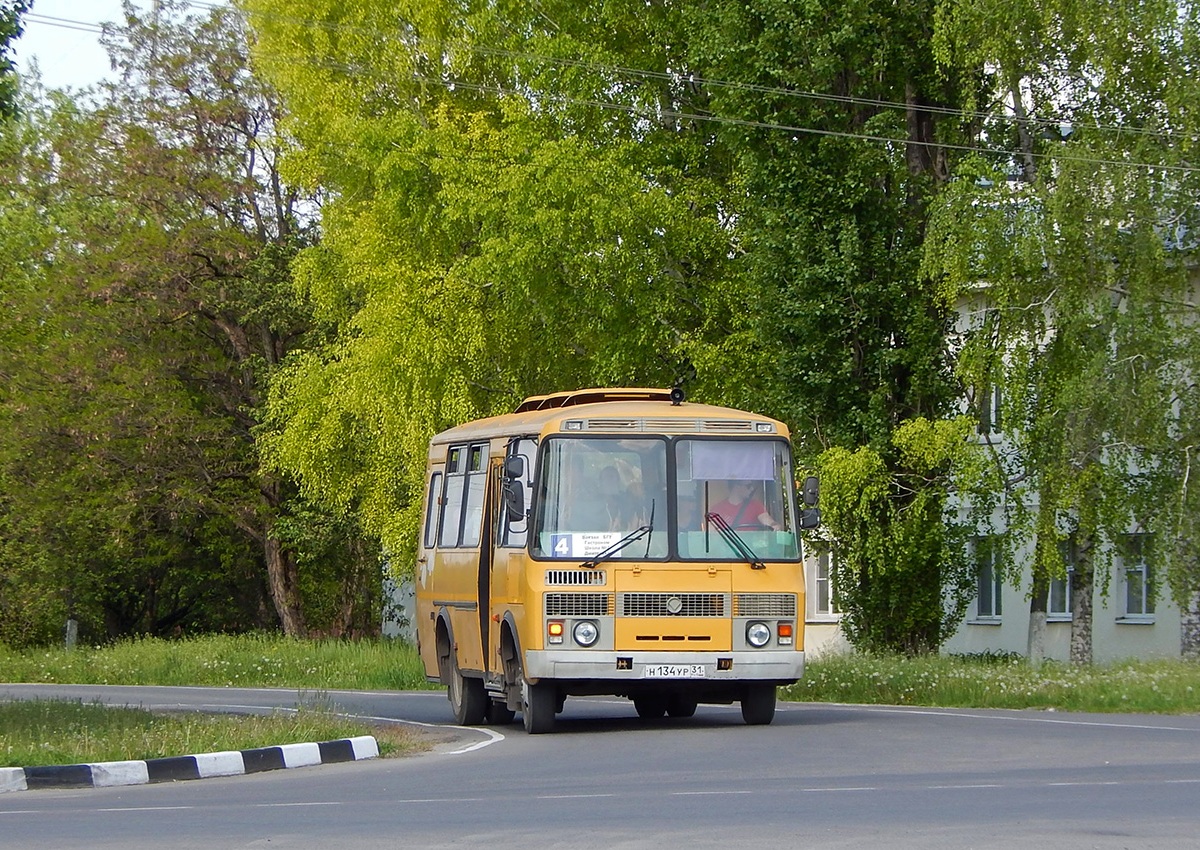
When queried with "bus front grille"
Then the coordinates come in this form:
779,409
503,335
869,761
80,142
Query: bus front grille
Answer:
578,604
764,605
673,604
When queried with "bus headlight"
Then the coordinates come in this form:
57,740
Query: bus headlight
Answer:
585,633
758,634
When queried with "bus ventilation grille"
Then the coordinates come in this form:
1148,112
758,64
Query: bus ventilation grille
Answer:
674,604
576,578
578,604
764,605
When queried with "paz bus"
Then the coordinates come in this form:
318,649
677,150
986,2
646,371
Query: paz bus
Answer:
612,541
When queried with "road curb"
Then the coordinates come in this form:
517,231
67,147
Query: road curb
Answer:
177,768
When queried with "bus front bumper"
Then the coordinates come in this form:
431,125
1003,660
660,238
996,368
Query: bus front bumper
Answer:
774,665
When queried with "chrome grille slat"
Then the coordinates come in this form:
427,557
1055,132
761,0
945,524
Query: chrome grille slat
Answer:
764,605
660,605
576,578
578,604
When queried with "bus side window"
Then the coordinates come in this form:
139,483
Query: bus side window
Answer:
451,524
475,487
432,512
513,530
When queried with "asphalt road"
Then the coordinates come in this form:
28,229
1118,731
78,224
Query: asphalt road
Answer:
821,775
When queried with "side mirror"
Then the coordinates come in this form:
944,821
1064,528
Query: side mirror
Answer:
810,517
514,500
810,492
514,467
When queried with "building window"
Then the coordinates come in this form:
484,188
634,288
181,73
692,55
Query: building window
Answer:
1139,590
988,599
1059,605
987,407
820,592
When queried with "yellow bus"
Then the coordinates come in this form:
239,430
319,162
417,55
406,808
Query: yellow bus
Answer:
612,541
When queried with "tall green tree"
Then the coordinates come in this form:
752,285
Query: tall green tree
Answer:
167,286
1076,236
517,203
838,115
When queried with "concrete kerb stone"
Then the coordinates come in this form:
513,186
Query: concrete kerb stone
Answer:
201,766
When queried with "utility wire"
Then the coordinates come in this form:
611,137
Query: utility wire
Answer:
628,109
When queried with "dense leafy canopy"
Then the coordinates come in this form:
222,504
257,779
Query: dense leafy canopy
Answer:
242,300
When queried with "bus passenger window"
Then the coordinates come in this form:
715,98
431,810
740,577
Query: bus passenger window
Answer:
431,509
476,485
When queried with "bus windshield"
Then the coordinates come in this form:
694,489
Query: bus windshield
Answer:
593,492
743,485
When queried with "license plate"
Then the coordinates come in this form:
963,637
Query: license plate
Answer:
673,671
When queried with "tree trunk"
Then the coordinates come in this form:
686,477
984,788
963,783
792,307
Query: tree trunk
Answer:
1189,628
1081,603
1035,643
283,579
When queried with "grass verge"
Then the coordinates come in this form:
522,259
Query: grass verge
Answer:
46,732
1150,687
257,660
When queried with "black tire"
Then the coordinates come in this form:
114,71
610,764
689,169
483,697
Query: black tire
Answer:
650,706
468,699
758,705
680,706
499,714
538,704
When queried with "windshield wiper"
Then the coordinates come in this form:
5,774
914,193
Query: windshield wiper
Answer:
632,537
735,541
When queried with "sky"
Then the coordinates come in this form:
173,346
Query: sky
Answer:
68,54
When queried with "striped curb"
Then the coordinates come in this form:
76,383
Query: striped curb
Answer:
177,768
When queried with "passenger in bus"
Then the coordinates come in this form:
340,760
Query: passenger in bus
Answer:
612,507
743,510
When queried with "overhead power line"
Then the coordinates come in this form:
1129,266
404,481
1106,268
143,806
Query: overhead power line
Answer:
675,78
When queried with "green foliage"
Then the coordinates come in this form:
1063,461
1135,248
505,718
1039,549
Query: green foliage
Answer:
1080,274
10,30
900,573
148,285
487,240
832,225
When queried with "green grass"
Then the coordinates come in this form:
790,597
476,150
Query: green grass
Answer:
50,732
258,660
45,732
1152,687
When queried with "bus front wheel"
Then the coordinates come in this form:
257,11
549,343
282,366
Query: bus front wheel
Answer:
538,705
468,699
758,705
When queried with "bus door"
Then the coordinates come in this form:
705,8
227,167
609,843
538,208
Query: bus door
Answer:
511,482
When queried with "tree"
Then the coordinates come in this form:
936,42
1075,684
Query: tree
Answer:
510,213
166,279
1088,322
837,115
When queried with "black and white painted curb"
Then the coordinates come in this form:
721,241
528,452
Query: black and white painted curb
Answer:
203,766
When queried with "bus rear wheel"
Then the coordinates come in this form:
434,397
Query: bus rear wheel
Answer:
538,705
468,699
758,705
